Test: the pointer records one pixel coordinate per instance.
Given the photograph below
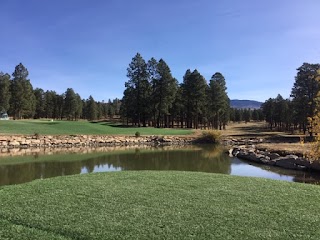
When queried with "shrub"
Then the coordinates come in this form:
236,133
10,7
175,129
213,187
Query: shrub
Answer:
36,135
137,134
211,136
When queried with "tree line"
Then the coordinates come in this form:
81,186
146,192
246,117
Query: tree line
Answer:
153,97
295,112
20,100
246,115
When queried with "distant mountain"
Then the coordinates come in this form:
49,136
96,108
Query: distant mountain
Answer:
245,104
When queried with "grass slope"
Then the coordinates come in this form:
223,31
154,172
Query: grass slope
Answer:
46,127
159,205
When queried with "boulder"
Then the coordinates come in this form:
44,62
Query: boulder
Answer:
273,156
292,162
235,151
14,143
315,165
250,156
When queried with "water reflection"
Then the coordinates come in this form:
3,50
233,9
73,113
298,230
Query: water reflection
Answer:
45,164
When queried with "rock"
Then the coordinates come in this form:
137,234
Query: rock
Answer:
271,162
235,151
292,156
166,139
35,141
315,165
292,162
17,139
273,156
14,143
251,156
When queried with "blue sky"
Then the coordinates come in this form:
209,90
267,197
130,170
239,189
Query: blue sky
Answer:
88,44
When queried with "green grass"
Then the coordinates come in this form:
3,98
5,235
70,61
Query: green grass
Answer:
159,205
46,127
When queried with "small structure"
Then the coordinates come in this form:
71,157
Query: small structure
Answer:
4,116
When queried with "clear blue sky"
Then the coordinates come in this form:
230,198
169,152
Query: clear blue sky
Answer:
88,44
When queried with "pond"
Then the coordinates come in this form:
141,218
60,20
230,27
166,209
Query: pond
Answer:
24,165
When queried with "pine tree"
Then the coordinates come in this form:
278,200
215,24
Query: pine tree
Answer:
194,88
127,110
40,106
5,94
111,109
219,103
304,92
78,112
22,96
91,109
186,90
59,103
139,86
165,88
153,75
314,123
50,104
116,103
177,110
70,104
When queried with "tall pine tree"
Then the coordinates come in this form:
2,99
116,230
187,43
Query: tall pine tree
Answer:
304,92
194,92
23,102
140,87
70,104
165,88
219,103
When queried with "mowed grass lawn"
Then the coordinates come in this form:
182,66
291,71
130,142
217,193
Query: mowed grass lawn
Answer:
159,205
46,127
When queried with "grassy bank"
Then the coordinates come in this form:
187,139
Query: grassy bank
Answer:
46,127
159,205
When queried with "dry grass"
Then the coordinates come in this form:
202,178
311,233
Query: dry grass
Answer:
293,148
272,140
251,129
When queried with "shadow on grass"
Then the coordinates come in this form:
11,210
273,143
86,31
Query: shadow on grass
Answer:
120,125
44,123
252,129
112,124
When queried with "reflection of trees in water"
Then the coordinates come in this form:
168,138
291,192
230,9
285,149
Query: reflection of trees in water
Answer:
206,159
20,173
200,160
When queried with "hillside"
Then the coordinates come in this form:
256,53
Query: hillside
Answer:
245,104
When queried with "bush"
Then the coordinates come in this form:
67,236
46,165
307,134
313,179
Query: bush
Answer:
137,134
211,136
36,135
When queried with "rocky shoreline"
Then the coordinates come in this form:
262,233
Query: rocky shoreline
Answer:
76,141
248,149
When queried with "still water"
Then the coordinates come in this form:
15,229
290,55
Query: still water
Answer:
23,166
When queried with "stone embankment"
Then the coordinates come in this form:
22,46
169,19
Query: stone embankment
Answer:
67,141
10,152
248,150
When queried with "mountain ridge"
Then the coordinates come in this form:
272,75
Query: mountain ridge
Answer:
241,104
